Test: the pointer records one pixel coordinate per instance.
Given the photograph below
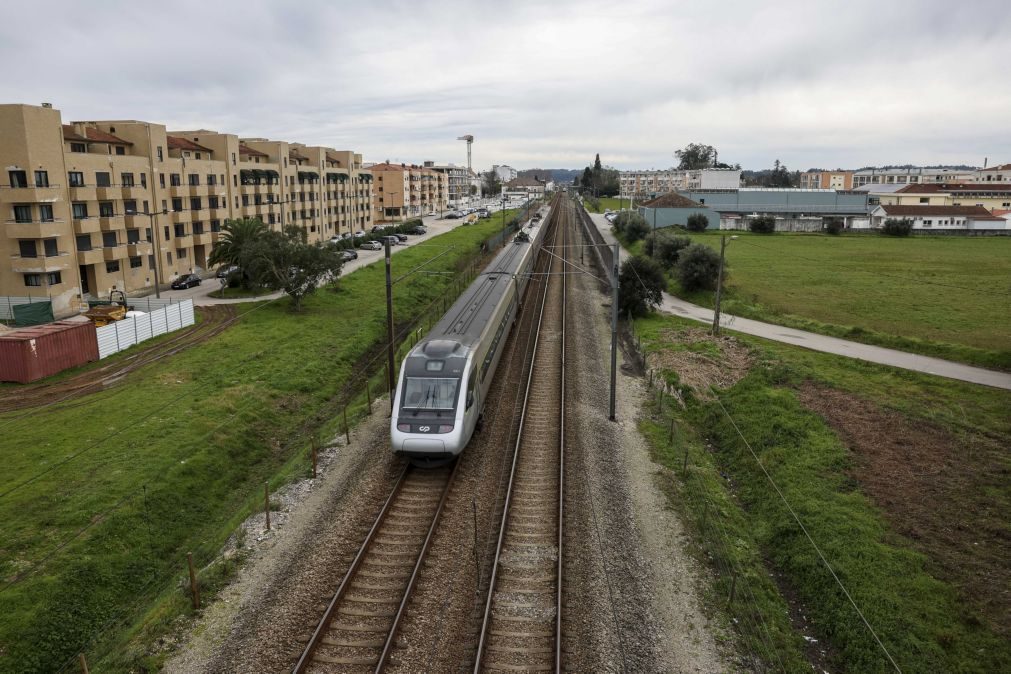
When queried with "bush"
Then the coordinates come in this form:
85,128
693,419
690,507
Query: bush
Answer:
763,224
833,226
631,225
697,222
897,227
669,249
641,284
698,267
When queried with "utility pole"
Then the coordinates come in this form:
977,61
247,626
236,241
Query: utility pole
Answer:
614,333
389,327
719,285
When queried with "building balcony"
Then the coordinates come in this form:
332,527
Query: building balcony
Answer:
35,230
203,239
199,190
41,265
86,225
217,213
93,256
139,248
110,253
84,193
31,194
108,192
179,190
179,216
134,192
185,241
110,223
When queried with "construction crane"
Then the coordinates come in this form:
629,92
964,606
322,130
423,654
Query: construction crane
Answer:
470,141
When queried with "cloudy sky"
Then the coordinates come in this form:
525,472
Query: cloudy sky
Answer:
539,84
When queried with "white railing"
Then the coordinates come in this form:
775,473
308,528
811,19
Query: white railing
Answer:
123,334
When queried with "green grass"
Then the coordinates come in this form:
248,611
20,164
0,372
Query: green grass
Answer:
605,203
239,293
923,621
948,297
173,459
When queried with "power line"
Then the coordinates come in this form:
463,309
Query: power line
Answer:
807,535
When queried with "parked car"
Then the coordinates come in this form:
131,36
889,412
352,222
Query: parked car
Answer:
334,240
359,234
394,241
186,281
483,213
349,255
225,270
454,215
418,230
402,237
430,213
371,245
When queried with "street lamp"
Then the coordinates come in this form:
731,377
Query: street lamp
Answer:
157,243
719,284
392,194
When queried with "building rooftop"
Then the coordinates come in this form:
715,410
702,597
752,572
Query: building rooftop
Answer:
180,143
955,188
974,212
672,200
1000,167
93,135
247,151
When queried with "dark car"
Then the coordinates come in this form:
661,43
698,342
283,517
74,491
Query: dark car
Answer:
186,281
348,255
225,270
418,230
402,237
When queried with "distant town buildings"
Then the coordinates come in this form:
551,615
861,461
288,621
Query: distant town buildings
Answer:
912,175
834,180
995,174
458,183
405,191
527,187
648,184
504,173
939,217
89,206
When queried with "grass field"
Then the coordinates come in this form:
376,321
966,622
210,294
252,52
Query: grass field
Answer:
943,296
604,203
905,493
101,499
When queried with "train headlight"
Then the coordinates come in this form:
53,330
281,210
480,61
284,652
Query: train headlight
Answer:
446,428
404,428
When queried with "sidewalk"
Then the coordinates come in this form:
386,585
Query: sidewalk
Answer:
823,343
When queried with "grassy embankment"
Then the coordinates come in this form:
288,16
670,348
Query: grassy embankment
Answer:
605,203
948,297
914,520
124,482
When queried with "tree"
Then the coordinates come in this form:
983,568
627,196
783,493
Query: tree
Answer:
897,227
641,284
697,222
284,261
491,185
631,225
235,236
833,225
762,224
698,267
780,176
586,181
669,248
696,156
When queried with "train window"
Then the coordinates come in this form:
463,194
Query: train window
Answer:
470,388
429,393
433,365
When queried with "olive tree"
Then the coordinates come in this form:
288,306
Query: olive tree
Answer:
641,284
698,267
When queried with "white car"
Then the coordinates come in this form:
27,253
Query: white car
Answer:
371,245
360,233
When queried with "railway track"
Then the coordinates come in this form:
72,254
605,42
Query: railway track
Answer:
522,625
359,627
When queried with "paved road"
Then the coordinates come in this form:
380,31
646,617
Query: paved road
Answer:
201,294
816,342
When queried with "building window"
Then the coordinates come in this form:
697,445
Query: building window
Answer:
175,180
169,256
126,179
215,225
78,147
924,200
133,236
195,204
49,247
143,180
194,179
180,230
112,267
54,278
75,178
102,179
26,248
46,212
18,178
161,157
105,209
33,280
120,149
80,210
130,206
135,262
181,253
22,213
109,240
42,179
177,204
212,202
84,242
150,261
233,159
212,179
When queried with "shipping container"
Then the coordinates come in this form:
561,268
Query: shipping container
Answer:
29,354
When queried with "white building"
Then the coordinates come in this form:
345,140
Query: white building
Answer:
994,174
912,176
505,173
938,217
644,184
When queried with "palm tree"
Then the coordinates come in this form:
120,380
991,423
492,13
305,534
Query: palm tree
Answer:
235,235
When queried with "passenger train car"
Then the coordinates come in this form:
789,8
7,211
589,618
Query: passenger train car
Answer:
445,378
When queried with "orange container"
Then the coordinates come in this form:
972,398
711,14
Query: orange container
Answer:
29,354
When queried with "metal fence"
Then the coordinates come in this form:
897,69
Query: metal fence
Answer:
8,303
123,334
602,252
152,303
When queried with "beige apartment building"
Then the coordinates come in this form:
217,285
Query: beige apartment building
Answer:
405,191
93,206
826,180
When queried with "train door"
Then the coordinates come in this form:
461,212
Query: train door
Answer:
473,403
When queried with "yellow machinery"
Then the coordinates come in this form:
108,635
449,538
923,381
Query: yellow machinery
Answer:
104,314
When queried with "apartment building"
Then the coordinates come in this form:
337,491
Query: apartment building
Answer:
994,174
405,191
458,184
994,197
647,184
92,206
504,172
833,180
911,176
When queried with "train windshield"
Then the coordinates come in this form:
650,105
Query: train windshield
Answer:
430,393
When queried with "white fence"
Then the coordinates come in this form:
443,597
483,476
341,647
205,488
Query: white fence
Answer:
120,335
152,303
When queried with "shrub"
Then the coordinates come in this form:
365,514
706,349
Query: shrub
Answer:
636,228
641,285
698,267
669,249
697,222
897,227
833,226
763,224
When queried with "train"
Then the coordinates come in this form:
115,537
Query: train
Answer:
444,380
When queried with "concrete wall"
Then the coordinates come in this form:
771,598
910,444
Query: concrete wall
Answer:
782,224
667,217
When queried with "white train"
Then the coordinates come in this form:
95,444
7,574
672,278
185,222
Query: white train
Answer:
444,380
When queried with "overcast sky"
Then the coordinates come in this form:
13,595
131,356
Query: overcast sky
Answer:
539,84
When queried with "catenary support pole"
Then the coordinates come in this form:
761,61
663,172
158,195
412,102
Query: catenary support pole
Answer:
614,335
389,326
719,287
